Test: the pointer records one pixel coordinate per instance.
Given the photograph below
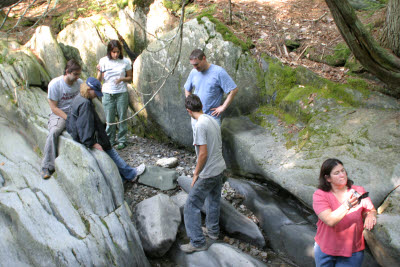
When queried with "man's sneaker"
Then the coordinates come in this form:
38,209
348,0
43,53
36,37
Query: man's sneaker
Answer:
206,233
189,248
140,169
45,173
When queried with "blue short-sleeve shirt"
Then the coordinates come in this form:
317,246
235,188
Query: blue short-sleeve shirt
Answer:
210,86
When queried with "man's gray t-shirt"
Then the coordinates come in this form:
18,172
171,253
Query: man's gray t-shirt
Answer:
207,132
61,92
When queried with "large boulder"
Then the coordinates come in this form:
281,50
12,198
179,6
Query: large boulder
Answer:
154,65
81,41
364,139
46,47
157,219
81,204
384,239
89,216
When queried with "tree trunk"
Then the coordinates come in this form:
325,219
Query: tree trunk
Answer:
378,61
393,26
230,12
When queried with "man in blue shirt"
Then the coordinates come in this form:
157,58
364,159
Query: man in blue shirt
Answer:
210,82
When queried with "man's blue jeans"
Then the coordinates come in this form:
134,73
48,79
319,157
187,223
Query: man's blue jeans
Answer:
325,260
204,190
126,171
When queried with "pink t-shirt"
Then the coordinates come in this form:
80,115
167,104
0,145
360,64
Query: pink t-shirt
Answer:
346,237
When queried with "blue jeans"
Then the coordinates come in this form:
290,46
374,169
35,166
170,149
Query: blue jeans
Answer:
325,260
126,171
204,190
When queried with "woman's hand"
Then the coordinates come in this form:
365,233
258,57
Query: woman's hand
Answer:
353,200
117,81
370,220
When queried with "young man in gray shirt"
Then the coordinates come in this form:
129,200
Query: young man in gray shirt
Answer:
60,94
207,178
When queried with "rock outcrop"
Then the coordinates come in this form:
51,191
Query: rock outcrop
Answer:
81,205
157,220
153,66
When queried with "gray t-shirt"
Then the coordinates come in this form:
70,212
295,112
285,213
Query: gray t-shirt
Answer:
61,92
207,132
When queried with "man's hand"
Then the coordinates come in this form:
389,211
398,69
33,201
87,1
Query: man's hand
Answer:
98,146
194,179
54,108
217,111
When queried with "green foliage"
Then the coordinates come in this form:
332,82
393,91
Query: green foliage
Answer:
122,3
174,5
226,33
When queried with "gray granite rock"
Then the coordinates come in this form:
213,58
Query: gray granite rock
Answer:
217,255
48,50
384,239
157,220
161,178
167,162
84,209
233,222
167,108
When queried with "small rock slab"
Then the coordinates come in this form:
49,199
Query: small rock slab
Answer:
157,220
167,162
161,178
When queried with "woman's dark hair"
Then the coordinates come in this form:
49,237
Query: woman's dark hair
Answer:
193,103
114,44
326,170
71,66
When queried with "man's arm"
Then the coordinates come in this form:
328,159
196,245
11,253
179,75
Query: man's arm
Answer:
54,108
217,111
187,93
201,161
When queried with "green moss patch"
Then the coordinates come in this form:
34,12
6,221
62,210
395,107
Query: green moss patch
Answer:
226,33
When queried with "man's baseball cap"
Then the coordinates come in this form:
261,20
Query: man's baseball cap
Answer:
95,85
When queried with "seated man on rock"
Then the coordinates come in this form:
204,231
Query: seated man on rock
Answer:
207,178
60,94
85,127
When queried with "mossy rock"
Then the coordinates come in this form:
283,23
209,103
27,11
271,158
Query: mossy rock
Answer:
226,33
354,66
336,58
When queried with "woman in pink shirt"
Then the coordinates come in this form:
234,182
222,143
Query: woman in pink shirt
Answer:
342,216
